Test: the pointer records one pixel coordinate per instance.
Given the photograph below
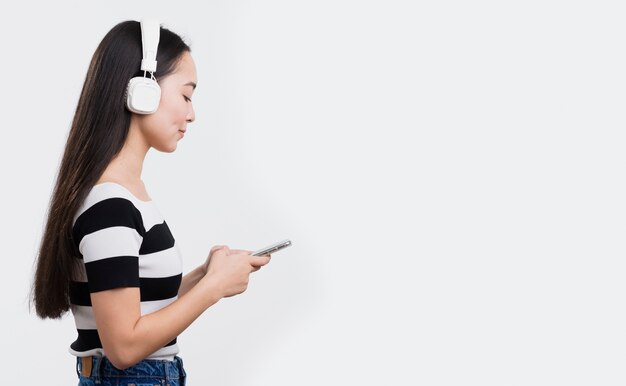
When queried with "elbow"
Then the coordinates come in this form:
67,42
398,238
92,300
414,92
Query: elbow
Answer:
121,357
120,363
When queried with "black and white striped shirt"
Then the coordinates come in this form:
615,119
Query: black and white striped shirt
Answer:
123,242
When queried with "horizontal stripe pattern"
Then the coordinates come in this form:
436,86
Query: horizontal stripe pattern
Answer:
89,338
160,264
83,317
123,242
113,272
153,288
109,242
158,239
108,213
150,289
148,307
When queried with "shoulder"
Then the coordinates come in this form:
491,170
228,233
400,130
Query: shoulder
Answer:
108,205
135,187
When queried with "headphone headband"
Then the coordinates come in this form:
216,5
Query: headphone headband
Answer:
150,33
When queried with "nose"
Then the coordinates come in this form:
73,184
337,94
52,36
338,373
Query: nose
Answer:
191,114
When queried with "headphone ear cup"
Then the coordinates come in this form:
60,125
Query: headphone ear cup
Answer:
143,95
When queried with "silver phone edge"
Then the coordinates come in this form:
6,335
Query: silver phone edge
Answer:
272,248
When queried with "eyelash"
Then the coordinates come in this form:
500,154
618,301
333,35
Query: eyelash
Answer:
187,99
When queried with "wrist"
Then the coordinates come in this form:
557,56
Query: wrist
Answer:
212,286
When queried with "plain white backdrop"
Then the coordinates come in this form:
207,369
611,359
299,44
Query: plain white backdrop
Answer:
451,175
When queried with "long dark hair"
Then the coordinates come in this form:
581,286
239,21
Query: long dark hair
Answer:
98,132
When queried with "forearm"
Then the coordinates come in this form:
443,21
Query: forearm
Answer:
130,337
153,331
191,279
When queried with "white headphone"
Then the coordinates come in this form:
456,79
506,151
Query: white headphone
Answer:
142,93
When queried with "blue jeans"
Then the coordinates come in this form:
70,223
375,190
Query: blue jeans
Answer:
148,372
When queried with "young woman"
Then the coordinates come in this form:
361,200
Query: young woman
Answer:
106,252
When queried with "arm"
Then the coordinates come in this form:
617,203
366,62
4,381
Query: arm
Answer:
191,279
127,337
109,235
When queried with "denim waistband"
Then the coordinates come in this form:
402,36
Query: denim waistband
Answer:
98,368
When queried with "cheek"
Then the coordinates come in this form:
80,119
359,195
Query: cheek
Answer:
155,125
172,109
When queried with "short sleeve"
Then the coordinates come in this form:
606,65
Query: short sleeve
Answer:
109,236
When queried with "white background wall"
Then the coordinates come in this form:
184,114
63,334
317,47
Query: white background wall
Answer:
451,175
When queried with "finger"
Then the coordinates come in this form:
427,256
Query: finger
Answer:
259,261
244,251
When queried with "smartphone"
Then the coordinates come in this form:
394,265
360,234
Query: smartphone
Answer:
272,248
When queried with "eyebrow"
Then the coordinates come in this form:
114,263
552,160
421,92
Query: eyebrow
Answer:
192,84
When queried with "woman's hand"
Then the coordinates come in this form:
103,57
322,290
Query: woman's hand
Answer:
205,266
229,269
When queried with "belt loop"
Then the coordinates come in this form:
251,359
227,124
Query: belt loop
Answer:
166,370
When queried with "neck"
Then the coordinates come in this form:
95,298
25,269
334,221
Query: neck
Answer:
128,163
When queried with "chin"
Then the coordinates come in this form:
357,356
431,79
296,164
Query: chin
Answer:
167,149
